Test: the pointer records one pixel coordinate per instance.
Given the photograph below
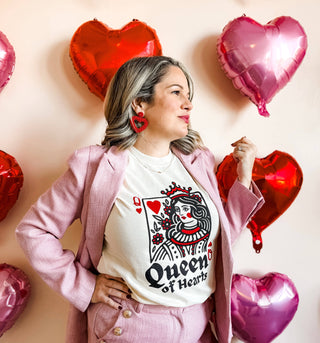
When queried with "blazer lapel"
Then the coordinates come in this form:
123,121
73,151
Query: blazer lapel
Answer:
105,186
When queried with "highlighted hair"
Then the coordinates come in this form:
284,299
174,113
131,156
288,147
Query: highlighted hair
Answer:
136,79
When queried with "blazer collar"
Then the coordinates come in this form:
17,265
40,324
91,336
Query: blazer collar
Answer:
189,159
117,158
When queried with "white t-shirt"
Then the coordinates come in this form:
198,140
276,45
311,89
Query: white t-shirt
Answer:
160,235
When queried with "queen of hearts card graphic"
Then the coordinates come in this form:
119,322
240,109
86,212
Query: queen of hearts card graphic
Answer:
179,223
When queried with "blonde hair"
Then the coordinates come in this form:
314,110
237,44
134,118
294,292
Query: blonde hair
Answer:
136,79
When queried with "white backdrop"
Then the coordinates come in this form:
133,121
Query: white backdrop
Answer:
47,112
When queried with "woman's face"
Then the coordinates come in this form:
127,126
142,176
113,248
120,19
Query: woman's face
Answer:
183,211
168,114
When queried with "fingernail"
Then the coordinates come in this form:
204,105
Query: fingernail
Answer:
128,296
120,307
129,290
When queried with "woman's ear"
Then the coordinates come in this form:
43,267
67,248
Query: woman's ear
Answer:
138,105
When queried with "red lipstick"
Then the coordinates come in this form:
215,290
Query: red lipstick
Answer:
185,118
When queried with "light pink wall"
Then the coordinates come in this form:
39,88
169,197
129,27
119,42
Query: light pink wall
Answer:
46,112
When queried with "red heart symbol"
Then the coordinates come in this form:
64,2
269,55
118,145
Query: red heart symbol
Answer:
154,206
261,59
279,178
139,210
97,51
262,308
11,181
14,294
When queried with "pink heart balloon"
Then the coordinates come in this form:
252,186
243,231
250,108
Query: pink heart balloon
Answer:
262,308
261,59
7,60
14,294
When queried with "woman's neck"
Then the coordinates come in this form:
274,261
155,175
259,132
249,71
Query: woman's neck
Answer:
152,147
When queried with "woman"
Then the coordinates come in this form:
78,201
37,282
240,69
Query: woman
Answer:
120,287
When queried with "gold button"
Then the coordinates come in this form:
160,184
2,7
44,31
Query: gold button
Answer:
117,331
127,314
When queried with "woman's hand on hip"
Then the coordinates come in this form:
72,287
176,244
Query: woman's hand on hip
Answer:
108,286
244,153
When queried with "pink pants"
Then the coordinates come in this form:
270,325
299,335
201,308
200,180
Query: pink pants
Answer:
138,323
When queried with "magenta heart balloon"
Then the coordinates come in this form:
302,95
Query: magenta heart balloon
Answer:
262,308
261,59
14,294
7,60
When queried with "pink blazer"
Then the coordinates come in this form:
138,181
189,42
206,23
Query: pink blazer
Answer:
87,191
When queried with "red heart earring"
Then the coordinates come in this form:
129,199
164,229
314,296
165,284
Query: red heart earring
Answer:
138,119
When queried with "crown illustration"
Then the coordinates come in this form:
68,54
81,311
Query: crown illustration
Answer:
176,191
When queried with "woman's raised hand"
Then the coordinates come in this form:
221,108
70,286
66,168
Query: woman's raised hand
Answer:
244,153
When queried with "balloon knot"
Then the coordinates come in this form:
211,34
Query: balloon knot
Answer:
263,110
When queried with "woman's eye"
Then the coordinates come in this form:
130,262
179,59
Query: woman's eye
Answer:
176,92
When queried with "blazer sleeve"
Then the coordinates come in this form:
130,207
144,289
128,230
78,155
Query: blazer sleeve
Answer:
43,226
241,205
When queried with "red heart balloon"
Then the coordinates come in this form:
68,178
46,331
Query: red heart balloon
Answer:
262,308
279,178
98,51
261,59
11,181
14,295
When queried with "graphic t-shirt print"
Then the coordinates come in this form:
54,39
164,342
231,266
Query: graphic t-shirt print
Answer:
179,226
